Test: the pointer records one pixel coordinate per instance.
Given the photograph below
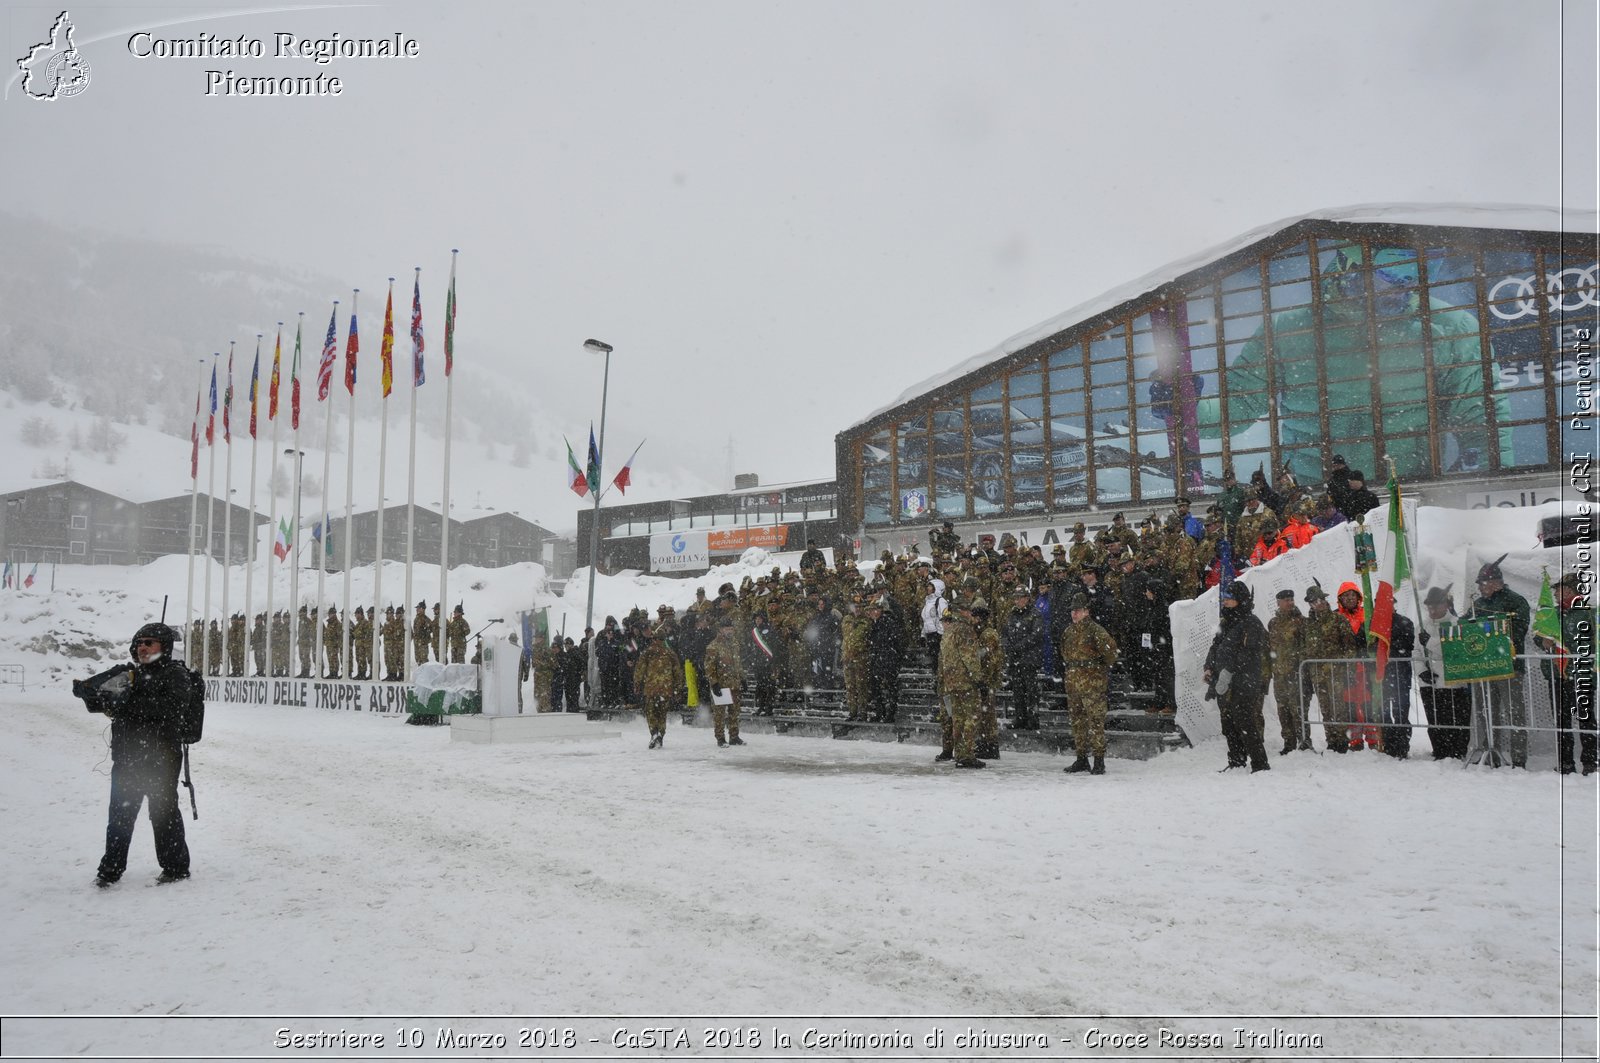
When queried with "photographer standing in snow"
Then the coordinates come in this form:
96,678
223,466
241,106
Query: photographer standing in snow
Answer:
155,711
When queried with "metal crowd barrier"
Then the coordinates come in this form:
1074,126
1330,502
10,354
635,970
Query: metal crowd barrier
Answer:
1510,720
14,673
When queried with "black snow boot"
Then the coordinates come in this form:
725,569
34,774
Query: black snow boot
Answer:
1099,766
1078,766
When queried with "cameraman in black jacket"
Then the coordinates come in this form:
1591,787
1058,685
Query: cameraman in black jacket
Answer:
150,706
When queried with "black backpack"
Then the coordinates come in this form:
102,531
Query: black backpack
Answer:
192,720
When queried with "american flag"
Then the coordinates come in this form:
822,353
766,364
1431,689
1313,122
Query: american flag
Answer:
417,344
330,353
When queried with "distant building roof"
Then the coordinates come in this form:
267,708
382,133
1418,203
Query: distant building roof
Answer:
1444,215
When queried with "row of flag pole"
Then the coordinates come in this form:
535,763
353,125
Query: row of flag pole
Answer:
14,580
583,481
284,530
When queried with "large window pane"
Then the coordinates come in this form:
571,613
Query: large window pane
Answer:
1111,345
1028,478
1530,446
1108,372
1290,266
1029,383
988,391
949,432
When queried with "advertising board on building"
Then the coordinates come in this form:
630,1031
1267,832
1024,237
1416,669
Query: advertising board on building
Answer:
681,551
738,540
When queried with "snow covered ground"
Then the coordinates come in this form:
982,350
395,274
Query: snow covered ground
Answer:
347,865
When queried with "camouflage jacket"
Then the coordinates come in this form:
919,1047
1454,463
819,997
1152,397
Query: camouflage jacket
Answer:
961,667
723,666
1286,642
659,674
1087,653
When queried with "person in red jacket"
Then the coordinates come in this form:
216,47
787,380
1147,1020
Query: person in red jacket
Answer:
1269,546
1297,530
1362,734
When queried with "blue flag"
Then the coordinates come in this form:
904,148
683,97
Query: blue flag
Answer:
593,473
1225,553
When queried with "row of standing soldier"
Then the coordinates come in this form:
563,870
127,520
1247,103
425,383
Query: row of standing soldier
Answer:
300,639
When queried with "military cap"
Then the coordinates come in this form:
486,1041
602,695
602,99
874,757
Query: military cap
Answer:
979,605
949,524
1021,591
1079,601
726,588
1286,596
1128,559
1116,518
1182,500
1078,527
1338,459
422,605
1572,581
986,539
1007,540
1058,548
661,610
1315,593
1491,570
1437,596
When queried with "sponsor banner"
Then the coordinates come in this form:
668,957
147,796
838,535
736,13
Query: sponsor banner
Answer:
684,551
386,698
737,540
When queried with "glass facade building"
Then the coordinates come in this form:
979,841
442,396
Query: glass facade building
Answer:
1453,351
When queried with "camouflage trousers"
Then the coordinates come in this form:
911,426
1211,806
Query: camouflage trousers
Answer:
1333,708
988,725
330,658
1088,708
962,723
1294,706
855,688
725,719
655,714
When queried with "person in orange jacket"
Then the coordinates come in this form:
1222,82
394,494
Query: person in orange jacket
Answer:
1362,734
1270,545
1297,530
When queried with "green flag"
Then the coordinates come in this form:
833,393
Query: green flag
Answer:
1547,618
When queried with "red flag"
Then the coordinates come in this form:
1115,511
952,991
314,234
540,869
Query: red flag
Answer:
624,479
194,440
351,347
418,344
386,352
577,481
272,387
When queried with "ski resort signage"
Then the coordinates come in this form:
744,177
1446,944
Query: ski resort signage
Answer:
337,694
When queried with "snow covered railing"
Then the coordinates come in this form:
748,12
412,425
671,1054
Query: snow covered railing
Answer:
14,673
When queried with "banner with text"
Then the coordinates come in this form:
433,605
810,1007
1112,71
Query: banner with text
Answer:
685,551
737,540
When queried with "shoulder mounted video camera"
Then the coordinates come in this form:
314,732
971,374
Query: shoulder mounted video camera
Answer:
105,691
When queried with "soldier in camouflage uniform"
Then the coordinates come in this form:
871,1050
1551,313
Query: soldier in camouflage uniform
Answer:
282,645
856,657
994,663
421,634
332,643
456,632
545,662
1286,640
1087,653
214,649
305,639
258,644
725,671
1082,552
944,542
658,678
236,645
1328,636
961,681
361,645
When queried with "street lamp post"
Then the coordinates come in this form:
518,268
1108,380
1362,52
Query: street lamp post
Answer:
596,347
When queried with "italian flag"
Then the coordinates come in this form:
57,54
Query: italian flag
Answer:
577,481
280,545
1396,568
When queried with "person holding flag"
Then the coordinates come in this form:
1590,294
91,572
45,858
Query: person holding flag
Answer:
1393,632
1569,633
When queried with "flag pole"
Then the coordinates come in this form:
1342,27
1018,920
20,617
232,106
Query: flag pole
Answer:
322,546
211,514
352,347
227,508
194,513
385,380
272,489
250,549
299,468
444,528
411,478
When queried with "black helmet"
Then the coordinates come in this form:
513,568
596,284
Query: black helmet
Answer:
160,632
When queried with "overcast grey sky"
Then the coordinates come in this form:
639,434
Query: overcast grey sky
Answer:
783,213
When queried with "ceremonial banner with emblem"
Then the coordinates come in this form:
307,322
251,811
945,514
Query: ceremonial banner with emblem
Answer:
1476,650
